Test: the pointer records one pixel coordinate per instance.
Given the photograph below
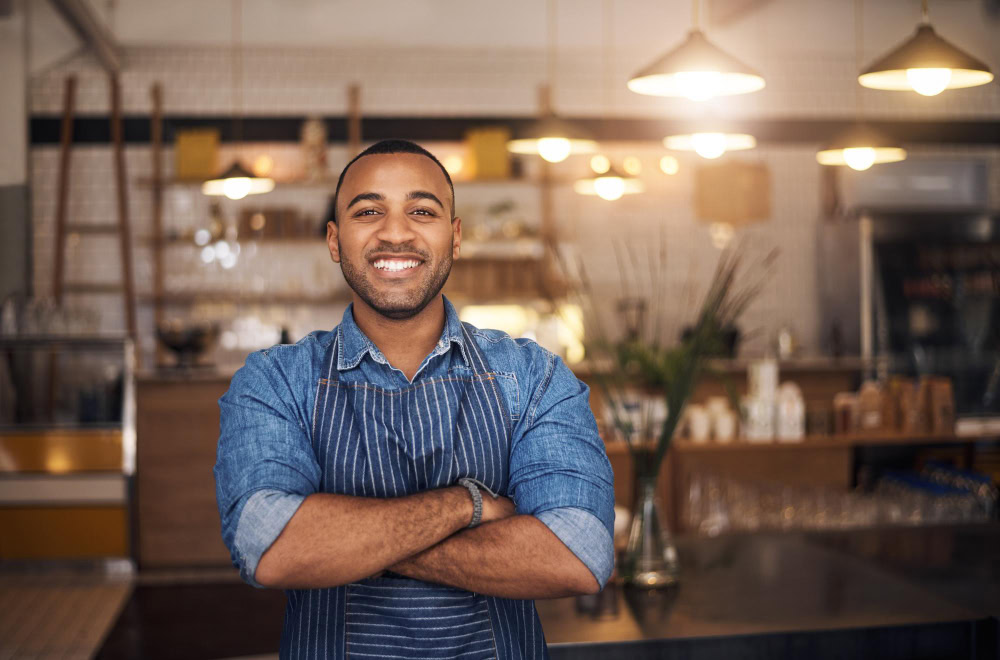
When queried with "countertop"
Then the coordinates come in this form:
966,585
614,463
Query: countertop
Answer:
891,592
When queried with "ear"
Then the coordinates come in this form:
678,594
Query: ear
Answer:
331,240
456,237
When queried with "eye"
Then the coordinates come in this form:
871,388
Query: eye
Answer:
366,212
425,212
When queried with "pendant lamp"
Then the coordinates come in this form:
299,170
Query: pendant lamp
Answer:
551,138
696,69
610,185
927,64
236,181
709,144
860,146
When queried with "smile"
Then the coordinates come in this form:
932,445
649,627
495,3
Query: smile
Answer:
395,265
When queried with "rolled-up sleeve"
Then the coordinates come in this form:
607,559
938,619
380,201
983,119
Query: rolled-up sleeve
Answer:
560,472
265,466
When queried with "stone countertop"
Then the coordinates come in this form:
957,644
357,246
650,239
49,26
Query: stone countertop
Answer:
863,593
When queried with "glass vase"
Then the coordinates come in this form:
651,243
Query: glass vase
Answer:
650,560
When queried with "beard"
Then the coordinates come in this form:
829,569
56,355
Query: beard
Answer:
397,302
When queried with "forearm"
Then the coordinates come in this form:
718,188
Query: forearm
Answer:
518,557
337,539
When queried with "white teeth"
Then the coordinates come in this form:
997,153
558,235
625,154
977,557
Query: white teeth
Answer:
395,265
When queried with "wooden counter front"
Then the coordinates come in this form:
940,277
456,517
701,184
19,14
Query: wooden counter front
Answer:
177,432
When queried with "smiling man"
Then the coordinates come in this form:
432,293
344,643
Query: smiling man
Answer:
411,481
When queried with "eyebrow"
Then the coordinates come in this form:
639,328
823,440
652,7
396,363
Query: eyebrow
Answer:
379,197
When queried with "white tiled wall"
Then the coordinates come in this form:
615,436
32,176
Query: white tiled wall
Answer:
304,81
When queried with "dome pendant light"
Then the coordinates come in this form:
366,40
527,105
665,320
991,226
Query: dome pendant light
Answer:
236,181
610,185
926,64
710,145
860,146
551,138
696,69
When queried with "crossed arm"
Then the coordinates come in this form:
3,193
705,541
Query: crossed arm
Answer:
336,539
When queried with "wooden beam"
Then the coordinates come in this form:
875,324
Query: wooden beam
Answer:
82,20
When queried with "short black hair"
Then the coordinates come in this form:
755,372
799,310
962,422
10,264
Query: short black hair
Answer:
395,146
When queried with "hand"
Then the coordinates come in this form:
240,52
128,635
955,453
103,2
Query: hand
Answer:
497,509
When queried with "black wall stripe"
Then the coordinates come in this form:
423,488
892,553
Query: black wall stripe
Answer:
96,129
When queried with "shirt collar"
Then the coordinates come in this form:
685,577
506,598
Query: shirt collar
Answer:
353,344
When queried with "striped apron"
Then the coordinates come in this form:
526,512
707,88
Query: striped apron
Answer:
378,442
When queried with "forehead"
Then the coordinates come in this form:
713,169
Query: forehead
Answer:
393,174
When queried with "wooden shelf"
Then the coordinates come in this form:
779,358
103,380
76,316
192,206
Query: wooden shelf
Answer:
685,445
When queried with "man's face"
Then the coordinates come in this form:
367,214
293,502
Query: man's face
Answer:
395,240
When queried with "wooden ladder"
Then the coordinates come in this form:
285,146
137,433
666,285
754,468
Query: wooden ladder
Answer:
122,227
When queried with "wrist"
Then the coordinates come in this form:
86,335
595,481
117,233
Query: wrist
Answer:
465,508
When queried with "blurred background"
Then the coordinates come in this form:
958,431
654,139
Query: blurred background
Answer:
164,191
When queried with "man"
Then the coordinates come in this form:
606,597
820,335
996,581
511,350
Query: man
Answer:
411,481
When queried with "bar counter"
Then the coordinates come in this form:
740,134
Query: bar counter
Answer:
929,592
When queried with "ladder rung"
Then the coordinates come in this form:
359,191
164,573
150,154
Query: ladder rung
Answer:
92,287
92,229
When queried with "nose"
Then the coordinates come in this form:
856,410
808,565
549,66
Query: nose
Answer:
395,227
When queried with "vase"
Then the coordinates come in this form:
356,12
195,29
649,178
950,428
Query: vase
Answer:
650,559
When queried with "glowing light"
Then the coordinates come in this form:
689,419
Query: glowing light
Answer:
263,165
600,164
859,158
698,85
928,82
554,149
669,165
721,234
221,249
609,187
236,188
632,166
453,164
208,254
709,145
202,237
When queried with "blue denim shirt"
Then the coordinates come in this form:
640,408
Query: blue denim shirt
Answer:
265,465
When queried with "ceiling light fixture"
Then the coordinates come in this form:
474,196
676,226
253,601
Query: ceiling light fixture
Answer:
696,69
236,181
551,138
860,146
927,64
710,145
611,185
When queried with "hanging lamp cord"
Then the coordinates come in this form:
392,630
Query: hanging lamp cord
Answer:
237,40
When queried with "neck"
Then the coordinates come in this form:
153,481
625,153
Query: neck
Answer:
403,342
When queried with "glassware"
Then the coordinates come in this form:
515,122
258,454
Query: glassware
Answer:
650,559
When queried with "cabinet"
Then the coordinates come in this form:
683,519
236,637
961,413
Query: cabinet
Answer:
178,519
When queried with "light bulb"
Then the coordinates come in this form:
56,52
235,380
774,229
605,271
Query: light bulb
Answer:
632,165
202,237
553,149
609,187
698,85
208,254
709,145
928,82
859,158
600,163
236,188
669,165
